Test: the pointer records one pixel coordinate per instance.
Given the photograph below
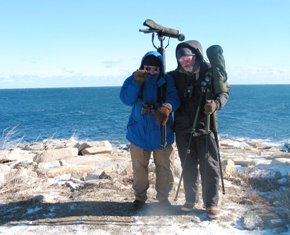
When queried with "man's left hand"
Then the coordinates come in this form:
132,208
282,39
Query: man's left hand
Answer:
210,106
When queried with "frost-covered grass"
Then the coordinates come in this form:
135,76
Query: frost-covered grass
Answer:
9,138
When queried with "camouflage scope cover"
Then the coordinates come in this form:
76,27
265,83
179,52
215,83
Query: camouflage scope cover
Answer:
215,55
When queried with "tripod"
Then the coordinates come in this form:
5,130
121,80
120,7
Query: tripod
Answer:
161,32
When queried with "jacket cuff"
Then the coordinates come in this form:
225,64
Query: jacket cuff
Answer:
218,105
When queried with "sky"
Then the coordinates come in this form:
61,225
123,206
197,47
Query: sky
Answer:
84,43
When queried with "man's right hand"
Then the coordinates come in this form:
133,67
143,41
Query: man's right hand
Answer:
211,106
140,76
162,114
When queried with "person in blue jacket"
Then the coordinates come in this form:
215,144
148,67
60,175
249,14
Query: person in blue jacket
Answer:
153,97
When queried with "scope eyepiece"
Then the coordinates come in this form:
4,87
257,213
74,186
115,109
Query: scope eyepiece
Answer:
163,31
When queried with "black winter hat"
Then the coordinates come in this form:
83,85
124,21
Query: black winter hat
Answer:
182,51
152,60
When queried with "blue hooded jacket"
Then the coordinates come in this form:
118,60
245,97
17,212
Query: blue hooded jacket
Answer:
142,129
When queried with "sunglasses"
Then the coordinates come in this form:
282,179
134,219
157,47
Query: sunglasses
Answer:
152,68
186,58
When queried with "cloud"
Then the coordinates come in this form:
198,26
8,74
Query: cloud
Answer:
258,75
111,63
74,80
115,74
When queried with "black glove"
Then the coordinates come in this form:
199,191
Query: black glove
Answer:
211,106
162,114
140,76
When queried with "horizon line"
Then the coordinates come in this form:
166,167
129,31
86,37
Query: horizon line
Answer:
107,86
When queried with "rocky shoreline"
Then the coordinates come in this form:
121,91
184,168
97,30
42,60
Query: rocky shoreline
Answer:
67,182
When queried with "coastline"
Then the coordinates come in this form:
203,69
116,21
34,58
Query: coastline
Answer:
66,180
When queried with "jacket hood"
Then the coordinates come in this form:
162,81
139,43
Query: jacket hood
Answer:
155,54
194,46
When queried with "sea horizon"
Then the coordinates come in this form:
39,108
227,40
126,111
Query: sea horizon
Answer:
64,87
253,112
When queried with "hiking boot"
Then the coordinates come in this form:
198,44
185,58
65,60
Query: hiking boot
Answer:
138,205
188,206
213,212
164,204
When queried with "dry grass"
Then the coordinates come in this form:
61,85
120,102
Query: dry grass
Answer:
8,139
12,185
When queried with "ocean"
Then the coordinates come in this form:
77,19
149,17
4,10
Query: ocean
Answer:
96,113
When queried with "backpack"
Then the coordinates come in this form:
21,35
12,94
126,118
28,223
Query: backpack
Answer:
218,68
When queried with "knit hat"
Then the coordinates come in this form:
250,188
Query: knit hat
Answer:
183,51
152,60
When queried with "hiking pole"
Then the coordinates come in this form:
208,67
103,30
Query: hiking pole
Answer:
216,59
161,32
207,124
218,150
208,117
193,130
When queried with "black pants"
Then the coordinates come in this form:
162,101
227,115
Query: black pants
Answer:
203,158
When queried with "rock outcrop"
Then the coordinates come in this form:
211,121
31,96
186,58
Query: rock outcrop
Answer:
256,177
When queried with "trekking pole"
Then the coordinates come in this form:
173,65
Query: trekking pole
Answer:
208,117
216,59
161,32
193,130
207,124
218,150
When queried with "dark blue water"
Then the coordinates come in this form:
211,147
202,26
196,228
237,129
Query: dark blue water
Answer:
253,112
257,112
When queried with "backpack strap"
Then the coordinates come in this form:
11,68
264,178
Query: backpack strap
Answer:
161,91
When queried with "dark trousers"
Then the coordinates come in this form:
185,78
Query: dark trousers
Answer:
203,159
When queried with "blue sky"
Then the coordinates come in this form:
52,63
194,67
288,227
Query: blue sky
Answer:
68,43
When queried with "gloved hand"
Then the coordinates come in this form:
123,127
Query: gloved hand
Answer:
140,76
211,106
162,114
